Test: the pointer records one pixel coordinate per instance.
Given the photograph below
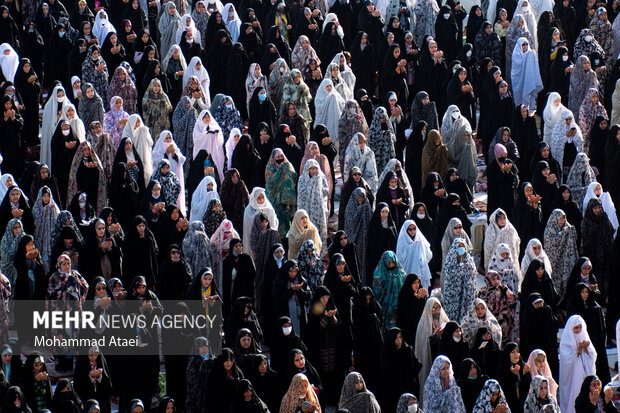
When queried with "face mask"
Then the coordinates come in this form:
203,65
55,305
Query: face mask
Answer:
209,189
455,115
456,339
190,40
279,161
436,316
412,408
468,54
229,106
60,99
596,61
460,250
205,356
262,97
82,204
287,330
502,159
352,111
235,254
565,58
31,31
61,34
421,216
588,38
281,70
66,132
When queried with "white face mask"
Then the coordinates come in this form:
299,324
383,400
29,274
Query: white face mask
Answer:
588,38
287,330
60,99
82,204
66,132
190,40
457,339
565,58
421,216
412,408
352,111
446,16
455,115
468,54
281,69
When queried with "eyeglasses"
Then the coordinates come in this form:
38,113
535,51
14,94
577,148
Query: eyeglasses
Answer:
411,229
343,238
458,227
175,252
100,288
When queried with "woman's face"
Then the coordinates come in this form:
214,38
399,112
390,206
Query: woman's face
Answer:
141,228
341,266
505,136
65,266
300,361
303,221
528,191
385,212
540,272
17,229
361,198
70,112
597,209
473,371
228,364
480,310
562,219
544,390
206,280
396,52
458,333
585,294
46,197
595,98
515,355
585,269
156,190
245,342
421,210
14,196
444,373
488,29
415,286
463,75
598,190
432,47
362,142
398,342
100,228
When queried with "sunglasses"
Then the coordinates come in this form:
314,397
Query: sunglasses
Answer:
175,252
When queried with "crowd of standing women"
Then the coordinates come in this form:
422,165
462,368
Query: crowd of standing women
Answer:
190,151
